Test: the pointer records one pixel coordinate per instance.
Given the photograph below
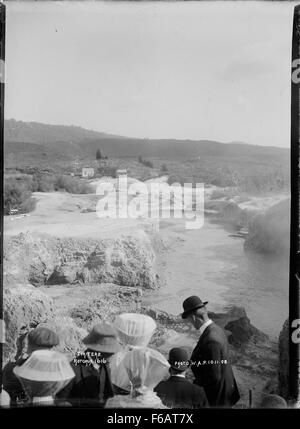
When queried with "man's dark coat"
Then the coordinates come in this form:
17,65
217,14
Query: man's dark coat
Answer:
178,392
12,385
208,363
89,388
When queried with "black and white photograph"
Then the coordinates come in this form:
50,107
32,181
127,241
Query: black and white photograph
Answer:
147,205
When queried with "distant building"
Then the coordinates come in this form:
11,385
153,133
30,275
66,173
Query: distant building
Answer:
87,172
121,173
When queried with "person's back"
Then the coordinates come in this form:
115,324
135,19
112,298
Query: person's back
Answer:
145,368
212,369
84,389
43,375
40,338
12,385
148,399
91,386
178,392
210,362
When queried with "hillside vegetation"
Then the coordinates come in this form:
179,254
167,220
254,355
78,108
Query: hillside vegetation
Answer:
70,140
18,189
44,150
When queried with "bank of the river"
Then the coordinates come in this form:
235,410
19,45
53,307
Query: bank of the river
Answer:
213,264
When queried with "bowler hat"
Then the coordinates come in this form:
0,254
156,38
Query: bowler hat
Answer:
191,304
43,337
179,358
102,338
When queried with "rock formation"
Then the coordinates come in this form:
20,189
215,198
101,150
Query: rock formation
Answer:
104,305
24,308
241,332
43,259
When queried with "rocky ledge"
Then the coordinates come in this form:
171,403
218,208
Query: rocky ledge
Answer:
41,259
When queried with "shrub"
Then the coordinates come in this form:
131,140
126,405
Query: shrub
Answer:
72,185
28,206
99,154
175,178
44,183
145,162
17,195
107,170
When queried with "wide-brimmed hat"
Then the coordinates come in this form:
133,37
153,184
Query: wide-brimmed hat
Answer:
102,338
43,337
191,304
45,365
179,358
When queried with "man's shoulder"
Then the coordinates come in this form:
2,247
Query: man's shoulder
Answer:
170,384
181,383
215,334
162,385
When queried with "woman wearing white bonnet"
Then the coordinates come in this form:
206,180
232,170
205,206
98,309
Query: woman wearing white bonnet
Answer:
145,368
43,375
134,330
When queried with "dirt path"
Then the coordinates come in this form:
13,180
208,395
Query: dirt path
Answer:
64,215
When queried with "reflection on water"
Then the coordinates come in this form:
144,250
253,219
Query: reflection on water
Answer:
213,265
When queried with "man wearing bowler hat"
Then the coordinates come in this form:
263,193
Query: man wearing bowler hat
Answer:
210,358
92,384
177,391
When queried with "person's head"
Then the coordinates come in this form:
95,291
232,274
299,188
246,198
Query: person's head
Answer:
102,340
41,338
145,368
44,373
178,360
273,401
195,311
134,329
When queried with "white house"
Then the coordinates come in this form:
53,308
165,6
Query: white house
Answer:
87,172
121,173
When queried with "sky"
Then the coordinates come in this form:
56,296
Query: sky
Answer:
184,70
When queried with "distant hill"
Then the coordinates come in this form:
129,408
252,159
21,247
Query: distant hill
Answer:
77,141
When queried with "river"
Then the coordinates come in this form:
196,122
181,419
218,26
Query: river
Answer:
210,263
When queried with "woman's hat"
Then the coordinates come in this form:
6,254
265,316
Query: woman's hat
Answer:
179,358
134,329
190,304
145,367
43,337
45,365
102,338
